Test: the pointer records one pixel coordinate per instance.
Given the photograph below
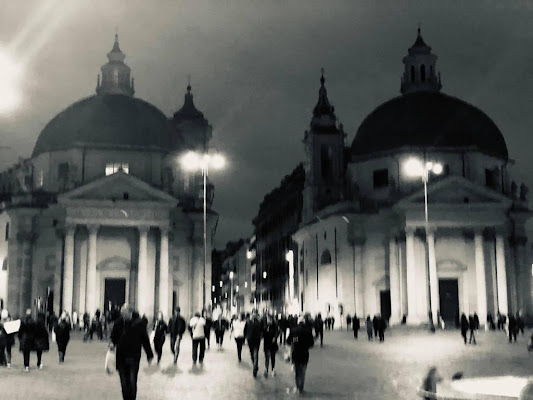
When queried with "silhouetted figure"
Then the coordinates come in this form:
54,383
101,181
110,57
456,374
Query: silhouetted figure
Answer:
519,322
430,382
476,322
301,339
472,327
348,321
512,328
369,327
382,324
319,329
356,325
464,326
375,324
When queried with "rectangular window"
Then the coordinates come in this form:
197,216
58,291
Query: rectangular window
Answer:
112,168
381,178
491,178
40,179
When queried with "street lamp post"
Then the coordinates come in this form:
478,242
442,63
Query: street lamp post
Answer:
193,161
416,168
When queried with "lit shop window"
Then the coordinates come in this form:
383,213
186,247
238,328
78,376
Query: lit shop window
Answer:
111,168
40,178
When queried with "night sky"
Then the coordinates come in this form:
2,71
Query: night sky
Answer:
255,68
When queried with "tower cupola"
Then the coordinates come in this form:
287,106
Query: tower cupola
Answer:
115,74
420,74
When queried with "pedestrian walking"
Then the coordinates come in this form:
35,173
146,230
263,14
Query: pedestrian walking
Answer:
472,327
375,325
160,331
238,328
7,340
319,329
519,322
220,325
26,336
270,343
382,325
332,323
128,336
356,325
197,330
283,326
177,326
208,327
476,321
62,331
348,321
301,340
41,341
464,326
86,326
254,333
512,327
369,326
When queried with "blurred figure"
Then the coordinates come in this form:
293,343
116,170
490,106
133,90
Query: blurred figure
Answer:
62,331
369,326
208,326
519,322
197,330
6,340
348,321
382,325
161,329
253,336
512,327
300,339
319,329
356,325
128,335
177,326
464,326
41,342
220,325
270,343
237,329
430,382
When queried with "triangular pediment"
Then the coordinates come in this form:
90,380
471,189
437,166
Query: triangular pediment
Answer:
118,187
456,190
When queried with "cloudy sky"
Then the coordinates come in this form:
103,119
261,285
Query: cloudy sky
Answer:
255,67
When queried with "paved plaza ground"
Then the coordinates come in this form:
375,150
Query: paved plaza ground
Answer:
342,369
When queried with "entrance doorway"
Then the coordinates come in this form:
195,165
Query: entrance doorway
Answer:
384,297
449,301
114,293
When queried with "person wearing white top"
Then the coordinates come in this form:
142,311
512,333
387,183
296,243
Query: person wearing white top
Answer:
197,330
237,329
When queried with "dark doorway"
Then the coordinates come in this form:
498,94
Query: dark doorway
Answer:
115,292
449,301
384,297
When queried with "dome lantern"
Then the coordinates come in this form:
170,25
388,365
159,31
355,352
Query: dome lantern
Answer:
420,74
115,74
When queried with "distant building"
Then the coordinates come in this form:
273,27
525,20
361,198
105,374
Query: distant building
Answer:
363,245
102,213
279,216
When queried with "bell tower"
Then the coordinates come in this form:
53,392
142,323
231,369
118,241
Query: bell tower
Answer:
324,151
420,74
115,74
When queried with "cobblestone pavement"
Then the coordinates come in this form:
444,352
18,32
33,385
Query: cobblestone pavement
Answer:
342,369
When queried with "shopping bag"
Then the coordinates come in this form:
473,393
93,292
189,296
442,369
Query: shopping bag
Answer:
12,326
110,361
53,336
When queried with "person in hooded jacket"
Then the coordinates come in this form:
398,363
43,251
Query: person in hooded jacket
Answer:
62,331
161,330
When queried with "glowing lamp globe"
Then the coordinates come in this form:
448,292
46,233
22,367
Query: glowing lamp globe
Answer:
413,167
191,161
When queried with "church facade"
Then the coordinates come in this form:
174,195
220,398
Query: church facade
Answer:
365,246
102,213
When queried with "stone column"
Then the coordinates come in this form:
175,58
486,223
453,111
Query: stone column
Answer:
68,274
92,301
142,273
501,274
394,278
433,278
481,282
164,273
411,275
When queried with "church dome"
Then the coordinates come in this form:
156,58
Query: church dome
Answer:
110,120
426,119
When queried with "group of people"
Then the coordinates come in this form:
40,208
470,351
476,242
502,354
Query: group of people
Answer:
512,324
33,336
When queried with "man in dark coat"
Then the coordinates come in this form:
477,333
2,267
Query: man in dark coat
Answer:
519,322
176,327
254,331
375,325
356,325
382,325
128,336
208,327
26,338
464,326
319,329
220,325
472,327
300,339
512,327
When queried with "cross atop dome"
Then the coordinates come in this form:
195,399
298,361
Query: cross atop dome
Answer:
115,74
420,73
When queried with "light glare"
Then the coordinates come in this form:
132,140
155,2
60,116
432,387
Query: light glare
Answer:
10,73
413,167
437,169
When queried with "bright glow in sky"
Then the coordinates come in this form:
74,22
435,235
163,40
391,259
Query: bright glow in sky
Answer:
10,75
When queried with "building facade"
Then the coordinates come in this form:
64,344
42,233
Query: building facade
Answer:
365,246
102,213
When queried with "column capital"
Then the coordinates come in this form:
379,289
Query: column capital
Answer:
431,230
478,230
93,228
143,230
410,230
164,230
70,229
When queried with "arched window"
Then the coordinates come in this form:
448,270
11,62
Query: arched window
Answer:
423,73
325,258
412,73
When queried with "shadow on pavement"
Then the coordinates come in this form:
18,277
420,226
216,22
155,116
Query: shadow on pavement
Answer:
171,371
